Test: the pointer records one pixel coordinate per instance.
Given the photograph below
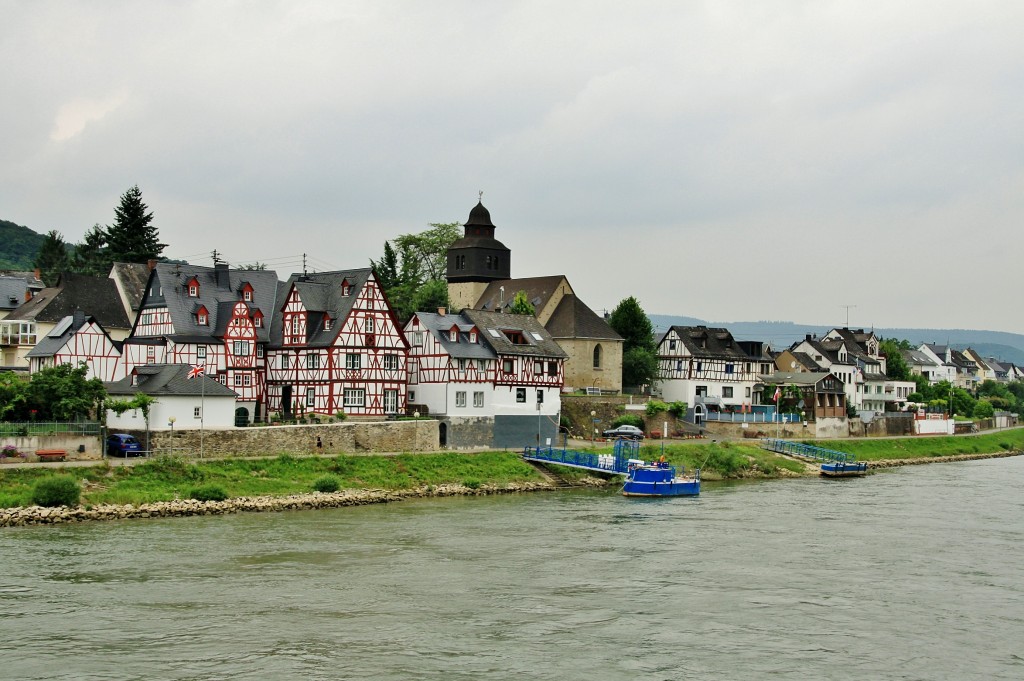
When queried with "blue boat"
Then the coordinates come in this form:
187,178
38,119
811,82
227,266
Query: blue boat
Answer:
844,469
658,479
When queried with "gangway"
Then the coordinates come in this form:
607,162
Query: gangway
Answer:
617,462
807,451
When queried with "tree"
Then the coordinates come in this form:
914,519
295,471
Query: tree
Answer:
630,321
896,367
52,258
132,237
431,296
428,250
386,269
92,256
984,410
521,305
13,391
639,367
63,393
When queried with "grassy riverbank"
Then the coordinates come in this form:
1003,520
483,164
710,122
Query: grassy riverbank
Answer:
167,479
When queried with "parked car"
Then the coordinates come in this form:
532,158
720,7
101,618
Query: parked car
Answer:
625,432
123,444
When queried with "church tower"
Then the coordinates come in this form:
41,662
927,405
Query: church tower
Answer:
475,260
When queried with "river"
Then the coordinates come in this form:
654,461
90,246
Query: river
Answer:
911,573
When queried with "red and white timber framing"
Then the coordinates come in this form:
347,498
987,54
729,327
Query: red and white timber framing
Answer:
90,344
362,372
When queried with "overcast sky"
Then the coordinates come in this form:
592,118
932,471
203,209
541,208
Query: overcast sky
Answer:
722,160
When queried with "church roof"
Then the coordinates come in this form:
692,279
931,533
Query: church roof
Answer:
538,291
573,319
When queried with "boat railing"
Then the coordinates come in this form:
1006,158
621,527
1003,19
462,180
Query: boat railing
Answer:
807,451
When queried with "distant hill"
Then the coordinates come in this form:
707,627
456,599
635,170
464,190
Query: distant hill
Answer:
18,246
999,344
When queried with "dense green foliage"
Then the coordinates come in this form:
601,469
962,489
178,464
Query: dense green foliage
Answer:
413,272
639,358
628,420
896,367
19,246
133,237
58,393
208,493
871,449
52,258
92,255
57,490
327,483
521,304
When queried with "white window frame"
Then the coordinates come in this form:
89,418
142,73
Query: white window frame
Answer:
460,399
478,399
310,397
201,352
353,361
355,397
391,362
312,360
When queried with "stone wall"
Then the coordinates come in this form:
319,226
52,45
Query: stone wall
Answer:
418,435
474,431
91,446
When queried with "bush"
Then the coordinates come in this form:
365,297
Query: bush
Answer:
208,493
60,490
655,407
327,483
677,409
628,420
471,483
340,415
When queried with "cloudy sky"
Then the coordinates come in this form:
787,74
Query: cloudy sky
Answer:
724,160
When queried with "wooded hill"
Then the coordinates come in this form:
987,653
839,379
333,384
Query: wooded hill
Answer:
18,246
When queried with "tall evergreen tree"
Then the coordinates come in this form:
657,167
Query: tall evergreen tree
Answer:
133,237
92,256
639,358
386,268
52,258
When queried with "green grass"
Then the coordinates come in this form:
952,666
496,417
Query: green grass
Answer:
169,478
916,447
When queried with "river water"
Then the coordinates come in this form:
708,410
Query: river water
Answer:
913,573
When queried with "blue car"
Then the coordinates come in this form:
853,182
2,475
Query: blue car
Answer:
123,444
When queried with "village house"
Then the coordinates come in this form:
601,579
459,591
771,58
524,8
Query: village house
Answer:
78,338
708,369
213,317
180,401
336,346
493,379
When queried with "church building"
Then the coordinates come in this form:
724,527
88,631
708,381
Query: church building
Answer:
479,278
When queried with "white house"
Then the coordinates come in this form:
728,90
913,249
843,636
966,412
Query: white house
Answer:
181,403
492,379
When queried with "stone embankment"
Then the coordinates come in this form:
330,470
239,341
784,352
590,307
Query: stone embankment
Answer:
893,463
38,515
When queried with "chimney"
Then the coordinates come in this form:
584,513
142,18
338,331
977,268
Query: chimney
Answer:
442,311
807,337
78,318
221,272
38,273
28,294
150,265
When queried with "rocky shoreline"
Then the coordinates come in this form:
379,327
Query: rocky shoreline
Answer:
40,515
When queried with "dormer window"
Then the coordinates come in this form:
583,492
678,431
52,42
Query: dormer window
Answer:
327,323
257,321
247,292
202,316
346,288
453,335
135,380
515,336
193,287
472,336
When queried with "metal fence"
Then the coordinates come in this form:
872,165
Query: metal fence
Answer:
30,428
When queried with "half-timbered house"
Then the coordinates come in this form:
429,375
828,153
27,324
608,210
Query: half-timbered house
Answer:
79,338
708,369
336,347
215,317
492,379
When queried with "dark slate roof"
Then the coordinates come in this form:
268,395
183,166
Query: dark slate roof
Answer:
321,293
917,357
491,324
441,325
133,277
96,296
479,217
829,349
51,343
538,291
807,361
12,292
801,378
703,341
169,379
173,279
573,319
34,282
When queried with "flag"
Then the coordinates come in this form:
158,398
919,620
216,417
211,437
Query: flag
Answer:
778,394
196,370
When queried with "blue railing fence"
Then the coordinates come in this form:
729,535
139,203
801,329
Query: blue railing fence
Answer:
806,451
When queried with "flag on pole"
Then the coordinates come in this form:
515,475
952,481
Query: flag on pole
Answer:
778,394
196,370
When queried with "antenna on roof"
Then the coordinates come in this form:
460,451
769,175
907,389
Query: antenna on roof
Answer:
303,264
847,314
216,257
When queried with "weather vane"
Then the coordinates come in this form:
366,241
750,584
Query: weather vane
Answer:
481,193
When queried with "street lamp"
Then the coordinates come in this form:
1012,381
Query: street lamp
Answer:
593,427
170,422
